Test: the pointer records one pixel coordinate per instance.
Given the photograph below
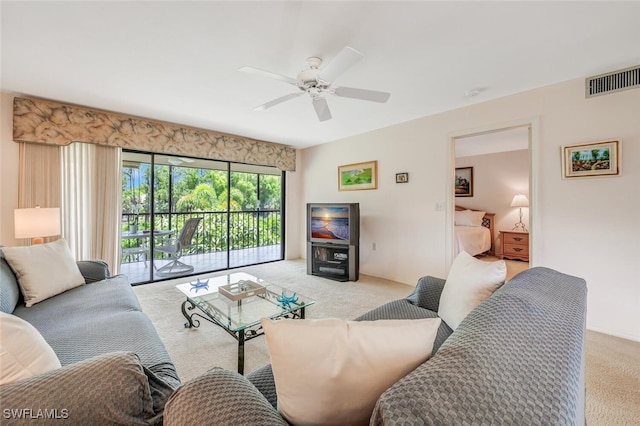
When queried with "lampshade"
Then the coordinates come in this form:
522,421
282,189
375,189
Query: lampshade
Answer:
520,201
37,222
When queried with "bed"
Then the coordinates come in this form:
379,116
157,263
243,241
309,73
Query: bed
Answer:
474,231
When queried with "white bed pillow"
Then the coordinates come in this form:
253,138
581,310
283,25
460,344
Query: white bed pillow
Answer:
23,351
332,371
43,270
469,218
469,283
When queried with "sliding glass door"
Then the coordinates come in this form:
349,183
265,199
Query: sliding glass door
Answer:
255,216
184,216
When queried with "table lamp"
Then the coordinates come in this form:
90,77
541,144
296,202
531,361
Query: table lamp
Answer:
520,201
36,223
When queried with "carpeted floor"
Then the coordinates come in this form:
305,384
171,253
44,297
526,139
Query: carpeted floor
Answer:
613,364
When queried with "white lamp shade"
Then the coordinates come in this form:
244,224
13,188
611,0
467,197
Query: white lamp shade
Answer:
520,201
37,222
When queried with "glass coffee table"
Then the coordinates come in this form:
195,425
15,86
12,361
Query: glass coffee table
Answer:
254,299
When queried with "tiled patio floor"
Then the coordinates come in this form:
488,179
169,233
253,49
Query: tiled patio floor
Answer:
139,272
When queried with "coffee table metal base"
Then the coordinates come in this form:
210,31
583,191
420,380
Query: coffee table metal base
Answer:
242,335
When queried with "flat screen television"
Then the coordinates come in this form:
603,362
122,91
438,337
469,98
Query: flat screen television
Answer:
336,223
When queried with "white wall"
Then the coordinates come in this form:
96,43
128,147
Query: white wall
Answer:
497,178
586,227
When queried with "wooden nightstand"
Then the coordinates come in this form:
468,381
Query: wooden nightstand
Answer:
514,245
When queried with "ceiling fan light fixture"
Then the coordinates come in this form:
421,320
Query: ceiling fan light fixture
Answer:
308,78
314,62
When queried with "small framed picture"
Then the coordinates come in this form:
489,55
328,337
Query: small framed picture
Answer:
352,177
464,182
591,159
402,177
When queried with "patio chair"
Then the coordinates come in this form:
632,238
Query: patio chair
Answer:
175,249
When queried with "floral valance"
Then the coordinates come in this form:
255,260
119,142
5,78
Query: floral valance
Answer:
53,123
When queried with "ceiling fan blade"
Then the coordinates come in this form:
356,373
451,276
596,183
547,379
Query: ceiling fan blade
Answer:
278,101
322,108
263,73
345,59
363,94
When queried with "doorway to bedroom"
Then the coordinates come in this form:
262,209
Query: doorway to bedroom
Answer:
492,183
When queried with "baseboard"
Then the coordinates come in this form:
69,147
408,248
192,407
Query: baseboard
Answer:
620,335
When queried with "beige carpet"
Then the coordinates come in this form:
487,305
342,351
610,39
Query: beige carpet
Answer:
613,364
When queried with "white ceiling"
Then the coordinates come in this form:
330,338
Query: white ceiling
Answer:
493,142
178,61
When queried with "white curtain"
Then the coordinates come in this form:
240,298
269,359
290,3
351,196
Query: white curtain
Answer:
38,177
91,202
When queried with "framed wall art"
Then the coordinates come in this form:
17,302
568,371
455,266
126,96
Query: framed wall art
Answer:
353,177
402,177
591,159
464,182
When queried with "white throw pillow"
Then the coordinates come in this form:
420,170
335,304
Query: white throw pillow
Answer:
332,371
468,218
469,283
43,270
23,351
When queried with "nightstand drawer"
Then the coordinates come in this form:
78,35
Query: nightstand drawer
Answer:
515,250
515,238
514,245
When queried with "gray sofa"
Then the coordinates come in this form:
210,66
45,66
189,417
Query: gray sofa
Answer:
517,358
115,369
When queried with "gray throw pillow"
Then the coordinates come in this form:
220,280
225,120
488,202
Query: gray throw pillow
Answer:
107,389
220,397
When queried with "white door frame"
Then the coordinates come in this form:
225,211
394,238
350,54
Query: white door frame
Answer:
533,124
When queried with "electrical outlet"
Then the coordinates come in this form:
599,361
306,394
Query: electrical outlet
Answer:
439,207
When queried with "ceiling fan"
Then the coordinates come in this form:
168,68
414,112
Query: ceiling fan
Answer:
316,82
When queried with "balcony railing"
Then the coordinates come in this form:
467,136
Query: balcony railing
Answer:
218,231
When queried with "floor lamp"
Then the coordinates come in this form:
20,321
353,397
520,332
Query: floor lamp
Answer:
36,223
520,201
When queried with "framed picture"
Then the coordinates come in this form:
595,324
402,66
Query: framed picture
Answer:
591,159
464,182
402,177
353,177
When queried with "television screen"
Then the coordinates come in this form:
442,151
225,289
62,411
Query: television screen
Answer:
330,223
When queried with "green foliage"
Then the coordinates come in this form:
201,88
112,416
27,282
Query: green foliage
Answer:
244,191
270,192
202,198
205,193
160,187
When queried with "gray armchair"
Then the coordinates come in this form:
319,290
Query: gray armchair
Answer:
175,249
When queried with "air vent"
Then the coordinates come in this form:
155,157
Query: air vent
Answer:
612,82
